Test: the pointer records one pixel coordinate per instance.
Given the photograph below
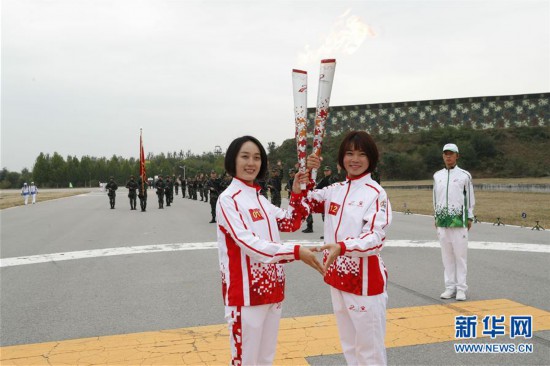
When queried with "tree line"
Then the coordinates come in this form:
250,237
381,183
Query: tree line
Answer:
512,152
54,171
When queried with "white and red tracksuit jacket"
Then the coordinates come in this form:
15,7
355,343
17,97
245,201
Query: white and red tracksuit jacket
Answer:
357,212
249,246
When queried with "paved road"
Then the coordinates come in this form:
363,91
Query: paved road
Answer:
122,294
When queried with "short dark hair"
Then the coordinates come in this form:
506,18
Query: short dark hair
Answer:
359,140
234,148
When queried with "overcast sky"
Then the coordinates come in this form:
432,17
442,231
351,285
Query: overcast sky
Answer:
82,77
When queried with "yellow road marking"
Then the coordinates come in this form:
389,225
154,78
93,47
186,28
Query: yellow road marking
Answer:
298,338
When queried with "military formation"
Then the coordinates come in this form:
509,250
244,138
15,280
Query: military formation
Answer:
206,188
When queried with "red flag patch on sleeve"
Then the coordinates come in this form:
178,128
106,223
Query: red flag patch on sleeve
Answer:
256,214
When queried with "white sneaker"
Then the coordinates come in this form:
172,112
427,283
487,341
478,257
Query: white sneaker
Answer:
448,294
460,295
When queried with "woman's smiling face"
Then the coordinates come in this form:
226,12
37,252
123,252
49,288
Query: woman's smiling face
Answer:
356,163
248,163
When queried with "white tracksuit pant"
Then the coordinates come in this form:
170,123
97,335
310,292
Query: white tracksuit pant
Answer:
362,326
454,252
253,333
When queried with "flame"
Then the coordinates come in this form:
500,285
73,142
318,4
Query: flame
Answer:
346,36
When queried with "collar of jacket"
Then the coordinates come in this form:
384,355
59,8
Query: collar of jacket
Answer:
242,184
451,168
360,177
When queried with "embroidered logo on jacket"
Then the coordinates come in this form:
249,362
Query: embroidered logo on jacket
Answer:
355,203
333,208
357,309
256,214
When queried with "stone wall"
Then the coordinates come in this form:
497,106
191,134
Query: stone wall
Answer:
475,112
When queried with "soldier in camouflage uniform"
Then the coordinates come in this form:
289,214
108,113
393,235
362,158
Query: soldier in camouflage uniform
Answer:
200,186
275,187
215,187
169,191
111,188
142,193
160,186
132,192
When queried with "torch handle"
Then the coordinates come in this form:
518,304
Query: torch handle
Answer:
299,89
326,77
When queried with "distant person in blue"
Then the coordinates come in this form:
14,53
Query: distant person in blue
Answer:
454,201
25,192
34,191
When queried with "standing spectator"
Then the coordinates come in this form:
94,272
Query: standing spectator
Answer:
357,214
183,186
25,192
34,191
176,184
250,252
454,201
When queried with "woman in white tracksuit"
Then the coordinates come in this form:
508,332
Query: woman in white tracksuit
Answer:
357,214
250,253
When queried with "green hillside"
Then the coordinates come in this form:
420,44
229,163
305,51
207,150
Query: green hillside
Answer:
492,153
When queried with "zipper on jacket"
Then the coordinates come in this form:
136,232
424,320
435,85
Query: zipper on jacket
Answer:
265,214
465,209
447,190
341,213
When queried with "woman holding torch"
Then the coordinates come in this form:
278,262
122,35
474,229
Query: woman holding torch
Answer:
357,214
250,253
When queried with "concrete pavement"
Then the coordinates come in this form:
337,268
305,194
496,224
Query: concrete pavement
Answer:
127,298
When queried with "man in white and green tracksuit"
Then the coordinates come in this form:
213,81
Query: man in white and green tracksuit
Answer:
453,197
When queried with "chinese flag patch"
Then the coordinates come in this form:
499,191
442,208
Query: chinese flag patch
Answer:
256,214
333,209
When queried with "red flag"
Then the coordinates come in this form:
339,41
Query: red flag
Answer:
142,172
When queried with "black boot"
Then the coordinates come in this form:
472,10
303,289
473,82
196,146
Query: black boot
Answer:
308,230
213,221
